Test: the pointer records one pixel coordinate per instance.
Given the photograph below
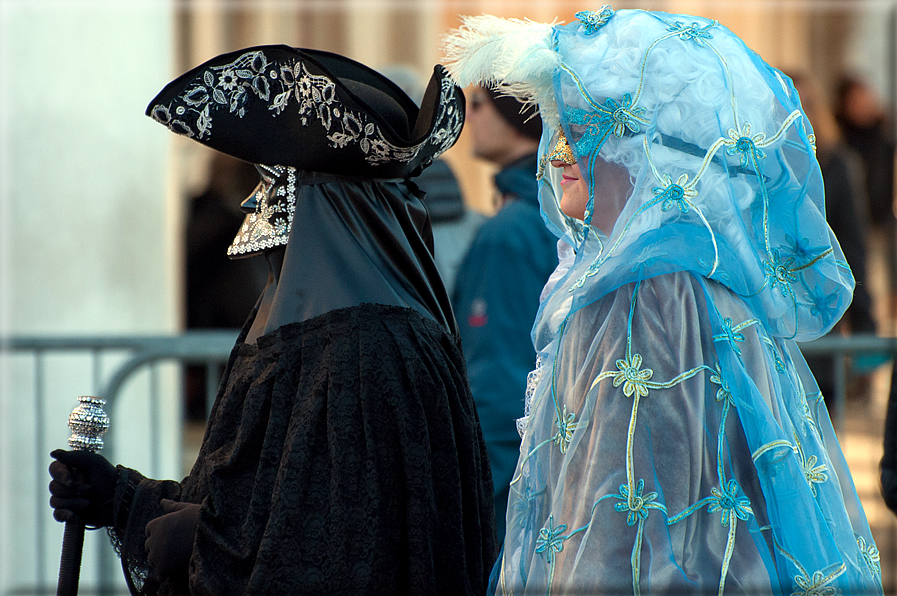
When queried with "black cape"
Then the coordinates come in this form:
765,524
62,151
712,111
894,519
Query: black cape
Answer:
343,454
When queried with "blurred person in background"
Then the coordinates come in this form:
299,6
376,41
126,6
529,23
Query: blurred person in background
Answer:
219,291
866,129
454,223
846,209
888,464
498,284
343,454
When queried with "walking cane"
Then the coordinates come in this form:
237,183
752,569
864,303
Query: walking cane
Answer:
88,422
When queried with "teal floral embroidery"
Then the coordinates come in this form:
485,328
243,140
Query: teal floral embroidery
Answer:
730,335
593,20
823,305
818,585
800,248
523,504
723,394
780,272
814,474
694,32
550,540
741,143
633,380
635,504
646,259
870,554
727,500
675,193
565,426
623,115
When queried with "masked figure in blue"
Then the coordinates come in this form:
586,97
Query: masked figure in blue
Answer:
674,440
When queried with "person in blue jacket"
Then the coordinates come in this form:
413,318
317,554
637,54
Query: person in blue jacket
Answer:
499,281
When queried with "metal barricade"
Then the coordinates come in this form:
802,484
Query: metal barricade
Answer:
208,348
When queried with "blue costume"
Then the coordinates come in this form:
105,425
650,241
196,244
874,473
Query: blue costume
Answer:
496,298
675,440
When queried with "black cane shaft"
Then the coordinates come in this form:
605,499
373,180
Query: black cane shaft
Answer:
70,562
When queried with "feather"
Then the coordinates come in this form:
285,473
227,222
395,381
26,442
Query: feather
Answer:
513,56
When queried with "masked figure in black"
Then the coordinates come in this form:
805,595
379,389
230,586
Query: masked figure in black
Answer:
343,454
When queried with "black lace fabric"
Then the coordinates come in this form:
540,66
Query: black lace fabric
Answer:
343,456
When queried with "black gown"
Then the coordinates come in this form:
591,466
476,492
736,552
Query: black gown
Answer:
338,460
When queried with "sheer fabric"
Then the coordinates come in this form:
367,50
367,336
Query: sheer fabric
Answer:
674,439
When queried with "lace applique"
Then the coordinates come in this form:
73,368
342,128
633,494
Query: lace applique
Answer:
532,381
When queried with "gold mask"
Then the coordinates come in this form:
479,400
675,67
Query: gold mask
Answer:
562,151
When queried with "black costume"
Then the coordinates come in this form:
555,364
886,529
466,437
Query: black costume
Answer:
343,454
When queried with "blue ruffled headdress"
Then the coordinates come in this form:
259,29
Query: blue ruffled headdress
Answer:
718,149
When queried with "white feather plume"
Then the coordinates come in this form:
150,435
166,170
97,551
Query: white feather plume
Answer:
513,56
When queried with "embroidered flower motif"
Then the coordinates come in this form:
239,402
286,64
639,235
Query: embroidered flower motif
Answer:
228,80
550,540
565,426
635,504
632,379
812,140
593,20
813,473
743,144
677,193
646,259
694,32
730,335
727,500
815,586
823,305
870,553
623,115
800,248
779,271
523,504
723,394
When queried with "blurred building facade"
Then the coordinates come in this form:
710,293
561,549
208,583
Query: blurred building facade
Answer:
92,193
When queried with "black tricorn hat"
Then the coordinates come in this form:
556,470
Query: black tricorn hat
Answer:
311,110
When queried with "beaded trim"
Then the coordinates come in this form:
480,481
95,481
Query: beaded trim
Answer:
269,226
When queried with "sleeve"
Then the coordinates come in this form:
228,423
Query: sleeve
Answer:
138,500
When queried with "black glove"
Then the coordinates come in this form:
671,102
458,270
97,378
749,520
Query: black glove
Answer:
83,486
169,538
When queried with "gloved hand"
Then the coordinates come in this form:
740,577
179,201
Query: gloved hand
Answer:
169,538
83,486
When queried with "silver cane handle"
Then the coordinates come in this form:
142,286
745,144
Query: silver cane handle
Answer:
89,423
